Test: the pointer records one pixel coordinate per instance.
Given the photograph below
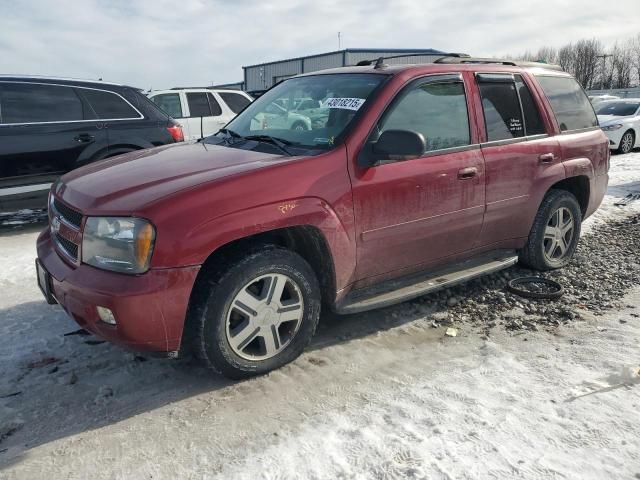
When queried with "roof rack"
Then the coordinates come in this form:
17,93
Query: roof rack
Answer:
379,62
452,59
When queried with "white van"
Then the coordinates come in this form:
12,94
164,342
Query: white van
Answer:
201,111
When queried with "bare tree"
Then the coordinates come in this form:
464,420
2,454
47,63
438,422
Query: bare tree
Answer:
586,54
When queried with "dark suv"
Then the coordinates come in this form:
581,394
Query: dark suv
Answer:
421,177
50,126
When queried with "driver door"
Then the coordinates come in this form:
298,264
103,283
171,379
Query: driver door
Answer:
416,213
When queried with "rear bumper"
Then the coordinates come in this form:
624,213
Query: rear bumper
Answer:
149,309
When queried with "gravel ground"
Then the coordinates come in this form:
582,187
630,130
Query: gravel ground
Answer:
606,265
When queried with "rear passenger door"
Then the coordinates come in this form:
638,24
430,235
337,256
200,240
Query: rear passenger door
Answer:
519,157
45,130
125,125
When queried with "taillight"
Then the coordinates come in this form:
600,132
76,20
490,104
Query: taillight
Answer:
176,133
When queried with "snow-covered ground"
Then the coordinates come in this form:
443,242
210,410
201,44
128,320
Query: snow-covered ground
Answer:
378,395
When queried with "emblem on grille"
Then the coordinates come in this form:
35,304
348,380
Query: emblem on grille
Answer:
55,225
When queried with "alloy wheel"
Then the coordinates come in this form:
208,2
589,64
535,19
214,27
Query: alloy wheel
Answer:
558,234
626,144
264,317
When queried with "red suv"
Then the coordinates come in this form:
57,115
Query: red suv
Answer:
410,178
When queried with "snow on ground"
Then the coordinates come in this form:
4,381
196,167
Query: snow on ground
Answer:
377,395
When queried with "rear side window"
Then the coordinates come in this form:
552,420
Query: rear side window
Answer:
437,110
235,101
198,104
108,105
215,106
569,102
532,121
169,103
502,114
36,103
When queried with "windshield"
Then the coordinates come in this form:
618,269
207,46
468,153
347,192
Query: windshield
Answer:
619,109
308,112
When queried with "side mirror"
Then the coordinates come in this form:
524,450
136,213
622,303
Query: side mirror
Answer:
399,145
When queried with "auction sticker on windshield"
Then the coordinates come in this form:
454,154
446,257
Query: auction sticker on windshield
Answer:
346,103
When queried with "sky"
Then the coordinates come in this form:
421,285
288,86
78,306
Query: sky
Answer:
161,44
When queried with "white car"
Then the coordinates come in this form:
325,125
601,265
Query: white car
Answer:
620,121
201,111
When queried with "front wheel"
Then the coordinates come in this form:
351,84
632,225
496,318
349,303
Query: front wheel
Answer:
260,314
626,142
555,233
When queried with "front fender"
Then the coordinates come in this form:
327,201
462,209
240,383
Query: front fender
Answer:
198,244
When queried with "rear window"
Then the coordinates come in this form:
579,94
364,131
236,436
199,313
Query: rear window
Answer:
235,101
37,103
570,104
198,104
169,103
502,114
108,105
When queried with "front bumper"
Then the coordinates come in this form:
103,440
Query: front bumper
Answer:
614,137
150,309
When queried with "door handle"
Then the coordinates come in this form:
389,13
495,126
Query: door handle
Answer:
467,173
83,138
547,158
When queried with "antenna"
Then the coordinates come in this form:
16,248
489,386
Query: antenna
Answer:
339,40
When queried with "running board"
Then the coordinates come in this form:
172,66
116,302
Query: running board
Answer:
408,288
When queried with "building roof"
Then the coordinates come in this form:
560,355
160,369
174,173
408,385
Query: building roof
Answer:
417,51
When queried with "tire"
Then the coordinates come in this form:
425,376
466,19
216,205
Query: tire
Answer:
550,246
237,325
626,142
299,126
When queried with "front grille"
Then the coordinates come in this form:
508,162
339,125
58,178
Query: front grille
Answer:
70,248
68,214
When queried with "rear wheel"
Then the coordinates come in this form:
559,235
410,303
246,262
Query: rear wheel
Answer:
626,142
299,127
555,233
259,314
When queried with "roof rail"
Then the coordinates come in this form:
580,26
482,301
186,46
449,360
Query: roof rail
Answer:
450,59
379,62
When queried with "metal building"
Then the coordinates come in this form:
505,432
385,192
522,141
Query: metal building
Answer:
260,77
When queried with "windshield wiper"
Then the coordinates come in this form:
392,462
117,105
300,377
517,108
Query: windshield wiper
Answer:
229,134
281,143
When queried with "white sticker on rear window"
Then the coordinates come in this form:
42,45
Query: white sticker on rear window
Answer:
346,103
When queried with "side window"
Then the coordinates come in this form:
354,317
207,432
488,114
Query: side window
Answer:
569,102
532,121
501,106
437,110
108,105
35,103
169,103
198,104
215,106
235,101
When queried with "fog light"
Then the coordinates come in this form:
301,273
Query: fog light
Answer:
106,315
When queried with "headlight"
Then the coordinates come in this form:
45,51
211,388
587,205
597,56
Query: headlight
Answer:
608,128
121,244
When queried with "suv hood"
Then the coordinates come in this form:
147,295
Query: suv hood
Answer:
128,182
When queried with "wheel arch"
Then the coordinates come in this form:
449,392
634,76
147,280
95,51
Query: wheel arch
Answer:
579,186
307,241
